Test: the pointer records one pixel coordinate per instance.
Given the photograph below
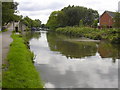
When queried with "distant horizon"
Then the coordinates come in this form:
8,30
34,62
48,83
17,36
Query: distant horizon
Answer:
44,8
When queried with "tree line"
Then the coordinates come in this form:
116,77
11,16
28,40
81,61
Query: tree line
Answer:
9,14
31,23
77,16
73,16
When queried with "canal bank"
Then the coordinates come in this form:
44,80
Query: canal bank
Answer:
20,72
65,63
110,34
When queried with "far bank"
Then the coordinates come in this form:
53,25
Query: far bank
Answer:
111,34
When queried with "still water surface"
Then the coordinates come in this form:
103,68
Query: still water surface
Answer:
67,62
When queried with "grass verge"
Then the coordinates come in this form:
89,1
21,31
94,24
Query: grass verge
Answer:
21,72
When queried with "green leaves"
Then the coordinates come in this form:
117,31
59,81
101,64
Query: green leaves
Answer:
8,10
31,23
97,34
71,16
117,20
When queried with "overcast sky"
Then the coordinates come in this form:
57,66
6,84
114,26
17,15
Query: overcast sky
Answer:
41,9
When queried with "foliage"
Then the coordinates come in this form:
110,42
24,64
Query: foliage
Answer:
71,16
97,34
31,23
8,10
117,20
95,23
37,23
43,26
53,20
81,23
21,72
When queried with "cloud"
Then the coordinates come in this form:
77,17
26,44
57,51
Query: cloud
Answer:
41,9
27,6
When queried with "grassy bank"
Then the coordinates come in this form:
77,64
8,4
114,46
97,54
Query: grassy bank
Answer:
21,72
97,34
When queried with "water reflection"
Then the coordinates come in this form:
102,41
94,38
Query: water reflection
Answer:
108,50
64,63
71,49
75,49
29,35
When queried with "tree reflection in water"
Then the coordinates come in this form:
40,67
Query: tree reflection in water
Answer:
31,34
75,49
108,50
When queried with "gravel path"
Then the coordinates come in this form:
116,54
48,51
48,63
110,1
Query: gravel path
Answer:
6,41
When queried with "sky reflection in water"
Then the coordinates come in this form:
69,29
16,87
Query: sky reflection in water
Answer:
71,64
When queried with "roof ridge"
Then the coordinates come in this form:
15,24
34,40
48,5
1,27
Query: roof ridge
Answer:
110,11
112,14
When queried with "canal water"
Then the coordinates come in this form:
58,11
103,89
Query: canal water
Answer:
69,62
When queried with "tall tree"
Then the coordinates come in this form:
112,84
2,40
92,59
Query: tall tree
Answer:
8,10
53,20
71,16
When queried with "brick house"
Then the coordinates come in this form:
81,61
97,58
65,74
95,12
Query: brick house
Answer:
107,19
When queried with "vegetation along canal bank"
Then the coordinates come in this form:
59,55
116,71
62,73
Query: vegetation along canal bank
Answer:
20,72
105,34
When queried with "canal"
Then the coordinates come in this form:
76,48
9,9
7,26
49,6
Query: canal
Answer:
69,62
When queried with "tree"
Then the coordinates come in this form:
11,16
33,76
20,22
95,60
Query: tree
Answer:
117,20
27,21
31,23
8,10
38,22
53,20
81,23
71,16
95,23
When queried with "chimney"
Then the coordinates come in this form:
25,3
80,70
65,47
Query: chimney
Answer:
119,6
